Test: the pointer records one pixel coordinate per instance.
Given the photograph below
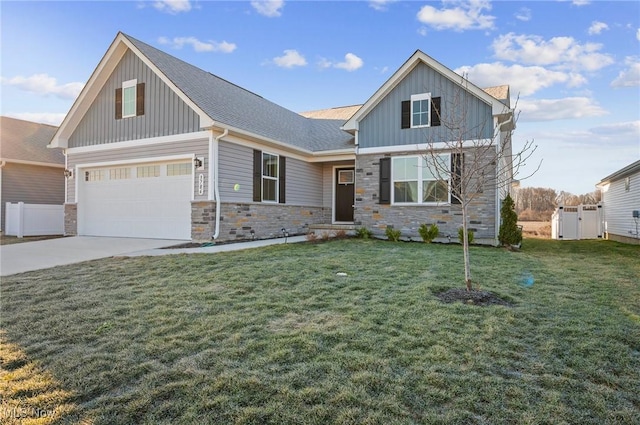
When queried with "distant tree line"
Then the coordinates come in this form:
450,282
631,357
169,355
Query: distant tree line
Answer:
539,203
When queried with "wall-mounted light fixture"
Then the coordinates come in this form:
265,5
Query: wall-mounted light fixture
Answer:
198,162
285,234
68,173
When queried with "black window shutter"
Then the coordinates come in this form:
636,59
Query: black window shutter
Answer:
257,175
406,114
119,104
435,111
457,159
140,99
281,179
385,181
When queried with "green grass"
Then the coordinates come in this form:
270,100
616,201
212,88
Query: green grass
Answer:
273,335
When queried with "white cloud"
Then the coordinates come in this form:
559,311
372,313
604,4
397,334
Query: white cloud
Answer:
422,31
199,46
464,16
524,80
559,109
638,34
44,85
41,117
380,5
629,77
621,130
580,2
172,6
268,8
562,52
524,14
351,63
597,27
290,59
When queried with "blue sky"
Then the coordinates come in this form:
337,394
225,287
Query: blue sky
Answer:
575,64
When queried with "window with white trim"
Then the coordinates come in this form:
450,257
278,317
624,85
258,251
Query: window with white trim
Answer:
269,177
415,181
94,175
129,98
420,110
119,173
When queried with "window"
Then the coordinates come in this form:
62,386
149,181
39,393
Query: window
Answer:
415,181
94,175
269,177
119,173
129,98
148,171
420,110
182,169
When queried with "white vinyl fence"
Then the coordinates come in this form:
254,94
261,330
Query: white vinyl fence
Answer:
33,219
577,222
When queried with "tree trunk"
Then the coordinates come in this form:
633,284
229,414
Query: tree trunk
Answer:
465,248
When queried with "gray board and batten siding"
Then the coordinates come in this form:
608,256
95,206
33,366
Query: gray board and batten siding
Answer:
381,126
165,113
199,148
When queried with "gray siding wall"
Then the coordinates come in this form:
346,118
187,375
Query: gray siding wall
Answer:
198,147
31,184
165,113
381,127
619,205
303,180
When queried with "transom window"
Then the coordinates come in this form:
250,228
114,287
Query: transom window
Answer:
119,173
181,169
269,177
420,110
415,181
129,98
148,171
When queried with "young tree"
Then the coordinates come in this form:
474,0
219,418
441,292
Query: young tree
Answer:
482,157
509,233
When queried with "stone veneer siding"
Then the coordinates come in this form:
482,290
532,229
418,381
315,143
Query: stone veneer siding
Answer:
70,219
237,220
376,217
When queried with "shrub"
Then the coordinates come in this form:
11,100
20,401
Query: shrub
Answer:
311,237
461,235
392,234
363,233
341,234
428,233
509,234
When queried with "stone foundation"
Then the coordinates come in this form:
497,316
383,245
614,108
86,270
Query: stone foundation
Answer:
240,221
70,219
408,218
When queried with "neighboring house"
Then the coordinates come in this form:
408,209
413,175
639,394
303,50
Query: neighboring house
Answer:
162,149
620,198
29,172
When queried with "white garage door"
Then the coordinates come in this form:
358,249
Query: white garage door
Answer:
140,201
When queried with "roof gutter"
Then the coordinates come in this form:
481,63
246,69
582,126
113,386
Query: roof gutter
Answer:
216,188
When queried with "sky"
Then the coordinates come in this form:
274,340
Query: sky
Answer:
573,66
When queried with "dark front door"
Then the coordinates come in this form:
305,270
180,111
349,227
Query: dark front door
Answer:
345,178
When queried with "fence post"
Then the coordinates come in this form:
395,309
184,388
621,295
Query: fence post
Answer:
20,219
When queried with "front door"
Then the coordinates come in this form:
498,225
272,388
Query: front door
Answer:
344,192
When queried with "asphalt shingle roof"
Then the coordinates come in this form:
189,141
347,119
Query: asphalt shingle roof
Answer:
235,106
27,141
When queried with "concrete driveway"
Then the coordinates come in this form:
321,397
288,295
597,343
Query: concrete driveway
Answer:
29,256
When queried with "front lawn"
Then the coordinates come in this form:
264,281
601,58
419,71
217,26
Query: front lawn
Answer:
275,336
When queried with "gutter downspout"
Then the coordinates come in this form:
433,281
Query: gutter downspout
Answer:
216,188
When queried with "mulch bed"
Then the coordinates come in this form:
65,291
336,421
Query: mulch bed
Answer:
479,298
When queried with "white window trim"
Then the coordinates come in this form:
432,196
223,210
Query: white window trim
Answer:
420,182
421,96
276,179
126,85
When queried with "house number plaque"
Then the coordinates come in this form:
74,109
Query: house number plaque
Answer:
201,184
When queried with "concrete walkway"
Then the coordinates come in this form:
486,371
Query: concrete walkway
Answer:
38,255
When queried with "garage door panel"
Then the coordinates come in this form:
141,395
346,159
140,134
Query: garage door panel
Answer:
149,207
